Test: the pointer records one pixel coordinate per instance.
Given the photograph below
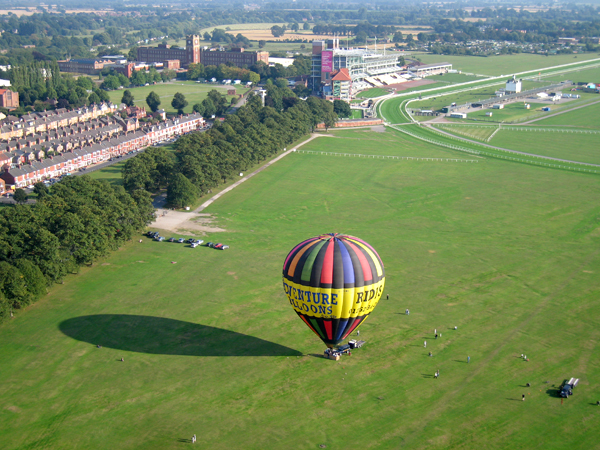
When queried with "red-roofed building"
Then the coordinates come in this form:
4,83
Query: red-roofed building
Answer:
9,99
341,84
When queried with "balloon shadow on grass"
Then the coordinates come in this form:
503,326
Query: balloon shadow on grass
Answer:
162,336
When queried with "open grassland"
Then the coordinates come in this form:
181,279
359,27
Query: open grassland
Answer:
512,112
372,93
193,92
453,78
508,253
583,76
388,143
504,64
578,118
564,145
479,132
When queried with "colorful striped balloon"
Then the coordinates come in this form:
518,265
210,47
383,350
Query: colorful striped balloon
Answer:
333,282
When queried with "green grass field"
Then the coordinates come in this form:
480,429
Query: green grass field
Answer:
571,146
512,112
193,92
453,78
504,64
373,93
506,252
480,132
579,118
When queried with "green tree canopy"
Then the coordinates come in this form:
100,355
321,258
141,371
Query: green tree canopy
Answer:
179,102
153,101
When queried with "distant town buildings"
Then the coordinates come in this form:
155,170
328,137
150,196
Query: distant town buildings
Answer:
238,57
9,99
44,145
83,65
186,56
362,66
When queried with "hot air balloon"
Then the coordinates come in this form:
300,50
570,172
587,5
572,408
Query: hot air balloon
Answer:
333,282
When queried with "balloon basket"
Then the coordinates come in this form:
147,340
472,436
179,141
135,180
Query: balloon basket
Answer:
336,353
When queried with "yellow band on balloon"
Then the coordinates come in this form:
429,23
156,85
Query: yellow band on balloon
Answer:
328,303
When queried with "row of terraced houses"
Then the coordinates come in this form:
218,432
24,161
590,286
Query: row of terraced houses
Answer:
46,145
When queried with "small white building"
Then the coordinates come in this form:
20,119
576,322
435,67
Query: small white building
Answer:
513,86
541,95
498,106
457,115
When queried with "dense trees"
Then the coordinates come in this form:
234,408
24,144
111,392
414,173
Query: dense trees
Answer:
248,137
79,220
342,109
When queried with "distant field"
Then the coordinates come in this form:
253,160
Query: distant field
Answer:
357,114
571,146
454,77
511,112
481,132
583,76
587,117
504,64
193,92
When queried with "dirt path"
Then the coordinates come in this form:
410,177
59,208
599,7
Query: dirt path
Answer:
189,222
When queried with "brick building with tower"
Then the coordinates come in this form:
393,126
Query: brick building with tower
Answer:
188,55
236,56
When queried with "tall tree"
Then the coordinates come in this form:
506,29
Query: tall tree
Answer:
181,192
153,101
179,102
20,196
127,98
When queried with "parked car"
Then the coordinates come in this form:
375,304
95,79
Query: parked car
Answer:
171,239
181,240
191,241
210,244
220,246
199,241
159,238
567,387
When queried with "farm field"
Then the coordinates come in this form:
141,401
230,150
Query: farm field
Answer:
504,64
506,252
580,118
571,146
193,92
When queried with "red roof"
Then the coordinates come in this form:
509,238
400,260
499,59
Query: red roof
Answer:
341,75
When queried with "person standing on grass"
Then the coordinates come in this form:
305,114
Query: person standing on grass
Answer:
407,312
425,344
523,397
387,296
468,359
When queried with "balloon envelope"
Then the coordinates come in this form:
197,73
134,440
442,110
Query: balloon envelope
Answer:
333,282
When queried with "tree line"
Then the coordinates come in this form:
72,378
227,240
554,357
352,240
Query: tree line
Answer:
202,161
75,222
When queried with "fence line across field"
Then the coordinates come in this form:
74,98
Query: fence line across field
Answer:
405,158
496,155
517,128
